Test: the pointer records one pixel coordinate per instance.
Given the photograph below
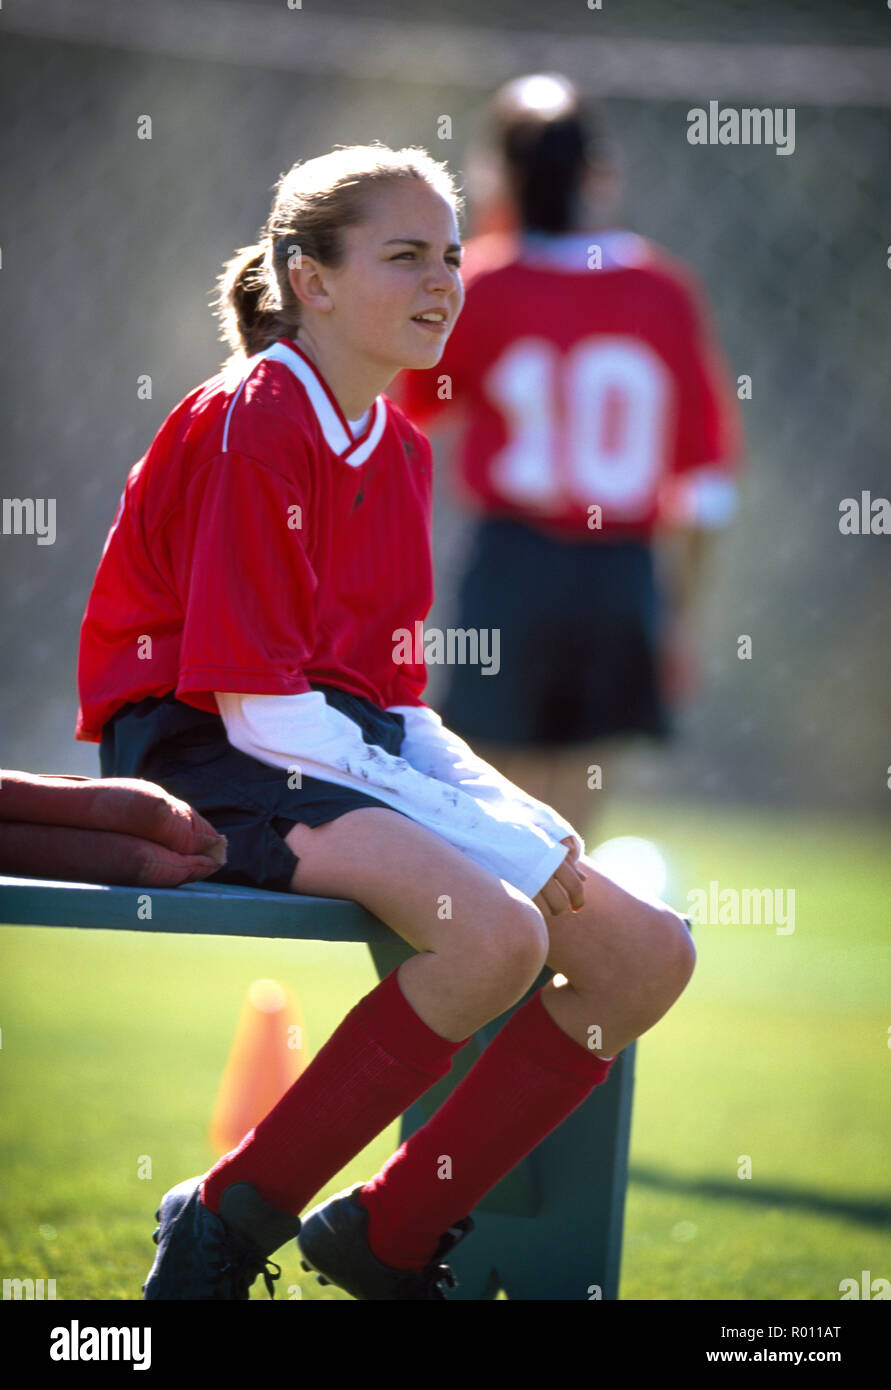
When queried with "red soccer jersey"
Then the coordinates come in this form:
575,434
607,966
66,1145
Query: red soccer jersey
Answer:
259,547
597,401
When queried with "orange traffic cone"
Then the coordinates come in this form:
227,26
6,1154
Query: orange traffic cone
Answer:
268,1054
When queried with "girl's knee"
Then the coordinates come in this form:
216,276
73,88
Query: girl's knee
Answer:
522,944
510,951
679,939
655,955
673,958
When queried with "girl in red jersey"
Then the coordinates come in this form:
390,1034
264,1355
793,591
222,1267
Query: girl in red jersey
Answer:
244,645
598,443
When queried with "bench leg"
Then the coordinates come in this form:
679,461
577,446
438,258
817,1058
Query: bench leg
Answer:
552,1227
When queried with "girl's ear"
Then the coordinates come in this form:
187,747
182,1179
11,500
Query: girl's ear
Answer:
309,283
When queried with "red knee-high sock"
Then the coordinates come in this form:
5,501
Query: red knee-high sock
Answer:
530,1077
374,1066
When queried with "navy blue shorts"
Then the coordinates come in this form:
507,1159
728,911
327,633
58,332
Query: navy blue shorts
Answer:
186,751
579,624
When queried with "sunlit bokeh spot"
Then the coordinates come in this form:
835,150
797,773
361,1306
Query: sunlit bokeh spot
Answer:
544,93
635,864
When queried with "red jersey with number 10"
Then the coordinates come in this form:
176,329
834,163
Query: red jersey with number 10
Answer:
597,401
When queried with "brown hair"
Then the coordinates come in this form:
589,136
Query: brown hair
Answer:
314,202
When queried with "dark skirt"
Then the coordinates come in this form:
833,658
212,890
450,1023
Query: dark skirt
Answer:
579,625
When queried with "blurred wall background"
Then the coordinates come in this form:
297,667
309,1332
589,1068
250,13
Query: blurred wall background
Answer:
111,245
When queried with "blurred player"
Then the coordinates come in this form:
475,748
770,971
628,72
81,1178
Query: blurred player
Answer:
596,420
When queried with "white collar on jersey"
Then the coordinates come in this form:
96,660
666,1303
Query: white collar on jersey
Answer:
354,450
619,250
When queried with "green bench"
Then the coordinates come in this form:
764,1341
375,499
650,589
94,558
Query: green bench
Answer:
552,1228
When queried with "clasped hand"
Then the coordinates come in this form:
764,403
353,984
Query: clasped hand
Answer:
564,888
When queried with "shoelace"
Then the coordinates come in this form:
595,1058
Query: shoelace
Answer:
441,1273
245,1265
435,1275
268,1278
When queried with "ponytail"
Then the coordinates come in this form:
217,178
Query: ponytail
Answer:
249,316
545,165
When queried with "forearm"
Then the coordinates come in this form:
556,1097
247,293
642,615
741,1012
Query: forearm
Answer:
697,507
684,558
440,753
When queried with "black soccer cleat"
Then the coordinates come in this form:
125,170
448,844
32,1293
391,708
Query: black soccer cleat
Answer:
203,1256
333,1241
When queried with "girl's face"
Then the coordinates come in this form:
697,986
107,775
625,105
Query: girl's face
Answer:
399,264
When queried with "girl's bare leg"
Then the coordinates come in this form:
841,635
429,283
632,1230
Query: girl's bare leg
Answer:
472,964
625,961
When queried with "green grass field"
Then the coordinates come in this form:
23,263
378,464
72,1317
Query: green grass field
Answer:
113,1046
